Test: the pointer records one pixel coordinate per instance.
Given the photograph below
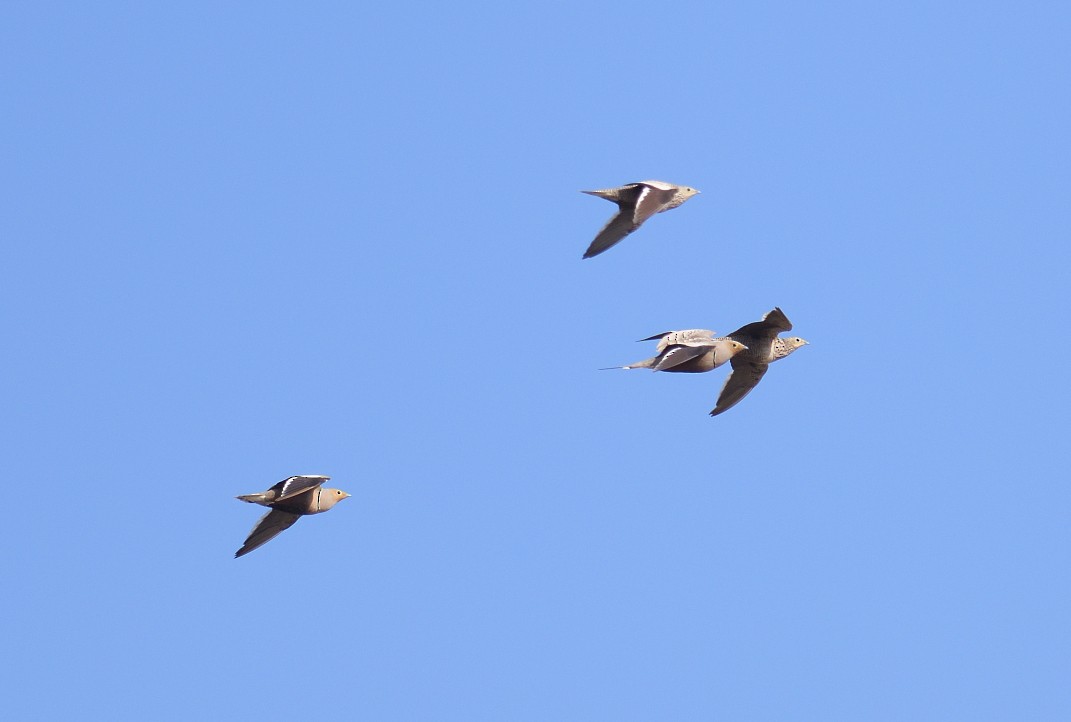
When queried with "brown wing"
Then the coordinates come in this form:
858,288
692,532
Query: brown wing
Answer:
675,356
744,377
651,200
619,226
295,485
637,202
767,329
271,525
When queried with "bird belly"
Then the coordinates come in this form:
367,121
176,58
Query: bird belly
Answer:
298,506
692,366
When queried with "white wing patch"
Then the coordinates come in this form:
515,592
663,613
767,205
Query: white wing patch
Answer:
636,212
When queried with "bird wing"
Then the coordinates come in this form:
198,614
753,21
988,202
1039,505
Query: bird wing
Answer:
701,336
299,485
651,200
619,226
271,525
687,337
678,354
738,384
778,320
637,203
771,324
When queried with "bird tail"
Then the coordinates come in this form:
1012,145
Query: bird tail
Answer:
610,194
648,363
253,498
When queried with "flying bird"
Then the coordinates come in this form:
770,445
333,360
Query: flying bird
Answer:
694,350
636,203
764,347
289,500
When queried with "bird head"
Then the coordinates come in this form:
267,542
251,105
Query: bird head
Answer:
330,497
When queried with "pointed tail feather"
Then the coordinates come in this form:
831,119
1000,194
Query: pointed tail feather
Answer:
610,194
648,363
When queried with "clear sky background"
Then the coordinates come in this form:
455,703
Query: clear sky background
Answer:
257,240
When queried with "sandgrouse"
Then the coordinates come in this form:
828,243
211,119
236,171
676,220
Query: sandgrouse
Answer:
289,500
636,203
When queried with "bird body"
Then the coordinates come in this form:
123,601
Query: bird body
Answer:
695,350
289,500
763,348
636,203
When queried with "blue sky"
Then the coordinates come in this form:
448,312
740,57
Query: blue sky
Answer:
251,241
